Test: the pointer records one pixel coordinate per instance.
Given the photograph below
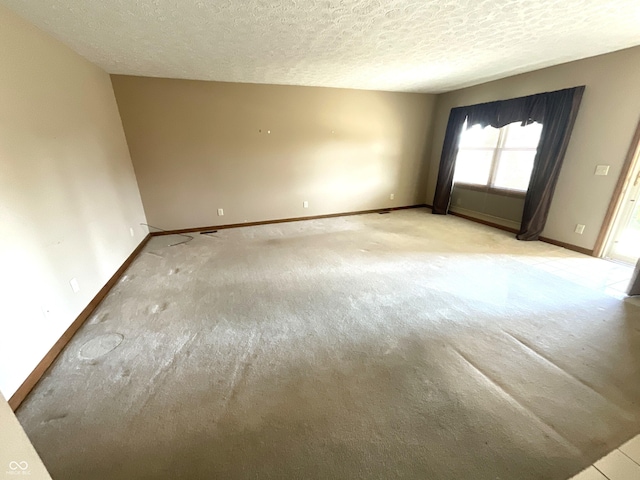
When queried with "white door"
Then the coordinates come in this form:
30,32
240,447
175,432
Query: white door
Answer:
624,243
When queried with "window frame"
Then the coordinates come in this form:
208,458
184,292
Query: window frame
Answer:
490,187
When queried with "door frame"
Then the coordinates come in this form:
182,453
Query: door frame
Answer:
633,155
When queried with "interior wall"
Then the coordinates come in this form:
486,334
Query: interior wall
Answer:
495,208
68,194
260,151
601,136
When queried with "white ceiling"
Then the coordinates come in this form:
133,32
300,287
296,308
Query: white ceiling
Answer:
398,45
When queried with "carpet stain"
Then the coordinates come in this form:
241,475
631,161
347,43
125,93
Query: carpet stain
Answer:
100,318
100,345
158,307
55,418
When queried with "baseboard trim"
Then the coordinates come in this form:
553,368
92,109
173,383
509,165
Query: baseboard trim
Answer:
280,220
487,218
568,246
42,367
484,222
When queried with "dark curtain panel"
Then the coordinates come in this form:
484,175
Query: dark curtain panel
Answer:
448,161
560,112
555,110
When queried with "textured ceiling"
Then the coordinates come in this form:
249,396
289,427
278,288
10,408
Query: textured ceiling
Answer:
404,45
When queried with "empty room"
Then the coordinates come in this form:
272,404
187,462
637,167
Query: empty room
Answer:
330,239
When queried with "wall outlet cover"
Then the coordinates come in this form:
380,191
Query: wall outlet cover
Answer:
220,212
602,170
75,286
579,229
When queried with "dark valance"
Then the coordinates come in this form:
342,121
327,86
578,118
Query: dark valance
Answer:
556,111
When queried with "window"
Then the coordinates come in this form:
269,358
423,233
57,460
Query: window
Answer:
498,159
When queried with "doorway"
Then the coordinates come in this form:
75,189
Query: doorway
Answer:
622,242
624,245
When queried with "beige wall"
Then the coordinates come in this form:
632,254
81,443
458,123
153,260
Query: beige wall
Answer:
499,209
602,134
68,194
196,147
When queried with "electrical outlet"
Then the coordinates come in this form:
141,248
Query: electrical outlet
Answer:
579,229
220,212
131,231
75,286
392,196
305,204
602,170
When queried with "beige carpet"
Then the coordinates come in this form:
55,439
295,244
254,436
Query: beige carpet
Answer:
399,346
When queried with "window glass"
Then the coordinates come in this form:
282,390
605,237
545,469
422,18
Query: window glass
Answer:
476,137
498,158
514,169
473,166
518,136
